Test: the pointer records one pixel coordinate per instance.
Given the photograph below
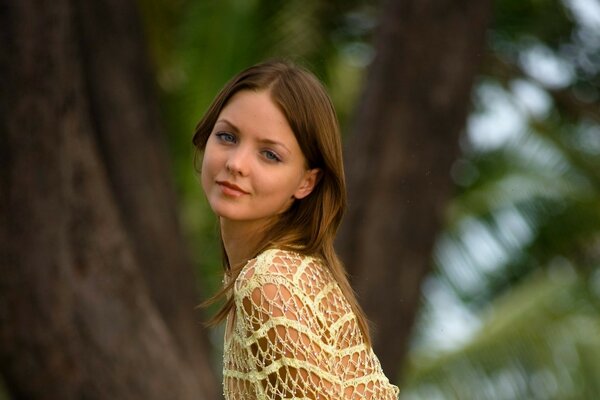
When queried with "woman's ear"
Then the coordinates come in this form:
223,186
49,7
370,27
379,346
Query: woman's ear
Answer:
308,183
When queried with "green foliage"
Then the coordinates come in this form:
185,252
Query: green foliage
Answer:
520,254
545,20
541,340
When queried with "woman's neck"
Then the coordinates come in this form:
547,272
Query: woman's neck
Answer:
240,240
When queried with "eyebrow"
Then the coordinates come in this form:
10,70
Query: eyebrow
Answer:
227,122
261,140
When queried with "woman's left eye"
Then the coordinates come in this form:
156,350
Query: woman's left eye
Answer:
271,156
226,137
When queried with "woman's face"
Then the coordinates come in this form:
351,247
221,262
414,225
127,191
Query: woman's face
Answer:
253,167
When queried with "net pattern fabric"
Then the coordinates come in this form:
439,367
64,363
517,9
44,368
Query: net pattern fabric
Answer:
293,335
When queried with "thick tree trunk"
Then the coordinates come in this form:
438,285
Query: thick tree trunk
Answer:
404,140
97,295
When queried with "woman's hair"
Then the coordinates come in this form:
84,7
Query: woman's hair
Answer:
310,224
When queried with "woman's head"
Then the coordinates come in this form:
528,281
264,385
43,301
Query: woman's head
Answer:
312,220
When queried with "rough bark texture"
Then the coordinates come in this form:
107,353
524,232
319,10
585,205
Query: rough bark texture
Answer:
404,140
97,295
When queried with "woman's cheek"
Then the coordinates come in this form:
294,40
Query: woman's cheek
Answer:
206,173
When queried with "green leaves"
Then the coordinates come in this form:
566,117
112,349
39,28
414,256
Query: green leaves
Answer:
520,252
540,340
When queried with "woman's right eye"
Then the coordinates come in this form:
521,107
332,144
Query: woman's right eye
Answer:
225,137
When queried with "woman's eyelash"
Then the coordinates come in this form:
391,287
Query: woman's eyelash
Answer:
271,155
226,137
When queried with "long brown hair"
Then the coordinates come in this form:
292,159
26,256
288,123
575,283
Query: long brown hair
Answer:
310,224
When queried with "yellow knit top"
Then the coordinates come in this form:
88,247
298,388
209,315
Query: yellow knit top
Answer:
293,335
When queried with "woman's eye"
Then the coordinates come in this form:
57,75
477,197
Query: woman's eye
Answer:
226,137
271,156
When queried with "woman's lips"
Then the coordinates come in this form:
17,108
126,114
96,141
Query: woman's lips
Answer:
230,189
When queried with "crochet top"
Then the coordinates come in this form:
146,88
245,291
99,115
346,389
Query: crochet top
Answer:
293,335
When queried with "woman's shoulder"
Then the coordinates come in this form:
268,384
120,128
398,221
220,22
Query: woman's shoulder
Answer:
282,266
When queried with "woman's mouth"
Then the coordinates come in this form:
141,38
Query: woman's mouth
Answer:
230,189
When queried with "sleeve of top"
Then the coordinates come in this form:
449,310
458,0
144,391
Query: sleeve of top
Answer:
286,340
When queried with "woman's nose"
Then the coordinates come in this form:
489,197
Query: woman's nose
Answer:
238,162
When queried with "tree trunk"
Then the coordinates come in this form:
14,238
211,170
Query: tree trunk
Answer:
403,143
97,294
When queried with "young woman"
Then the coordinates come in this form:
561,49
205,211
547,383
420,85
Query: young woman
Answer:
272,172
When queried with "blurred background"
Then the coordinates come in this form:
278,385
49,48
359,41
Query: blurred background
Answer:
506,275
510,309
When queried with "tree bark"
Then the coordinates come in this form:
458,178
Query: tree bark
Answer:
97,294
403,142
